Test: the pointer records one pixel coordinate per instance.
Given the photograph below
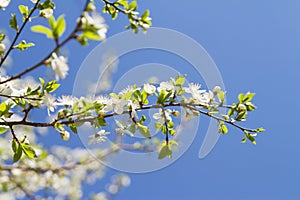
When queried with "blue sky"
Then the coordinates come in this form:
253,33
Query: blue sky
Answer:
255,45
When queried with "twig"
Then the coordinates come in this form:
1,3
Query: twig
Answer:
19,32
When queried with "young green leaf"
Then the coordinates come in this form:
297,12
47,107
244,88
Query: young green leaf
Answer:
23,10
43,30
2,130
60,26
28,150
17,151
13,22
164,151
23,45
144,130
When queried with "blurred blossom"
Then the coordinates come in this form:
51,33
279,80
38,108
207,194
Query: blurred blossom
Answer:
98,137
59,66
4,3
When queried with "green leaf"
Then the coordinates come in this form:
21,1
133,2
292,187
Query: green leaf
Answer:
165,151
244,140
46,4
52,23
143,119
250,137
161,97
28,150
73,128
13,22
23,10
132,5
250,106
223,128
14,145
172,132
180,80
248,97
17,153
132,128
51,86
91,35
60,26
221,96
43,30
241,97
260,130
145,15
3,107
2,37
2,130
23,45
144,130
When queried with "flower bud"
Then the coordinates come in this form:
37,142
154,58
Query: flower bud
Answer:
91,7
2,48
65,135
241,107
175,113
217,89
46,13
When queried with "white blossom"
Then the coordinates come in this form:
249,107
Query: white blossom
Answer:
149,89
46,13
133,106
117,105
97,21
160,115
4,3
49,101
98,137
33,1
166,86
204,98
66,100
59,66
122,129
194,89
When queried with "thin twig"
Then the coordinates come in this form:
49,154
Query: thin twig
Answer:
27,19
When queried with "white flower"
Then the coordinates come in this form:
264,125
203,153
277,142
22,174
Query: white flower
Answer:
46,13
149,89
166,86
66,100
65,135
117,105
122,128
194,89
133,106
2,46
204,98
60,67
4,3
34,1
160,116
49,101
98,137
97,21
130,88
